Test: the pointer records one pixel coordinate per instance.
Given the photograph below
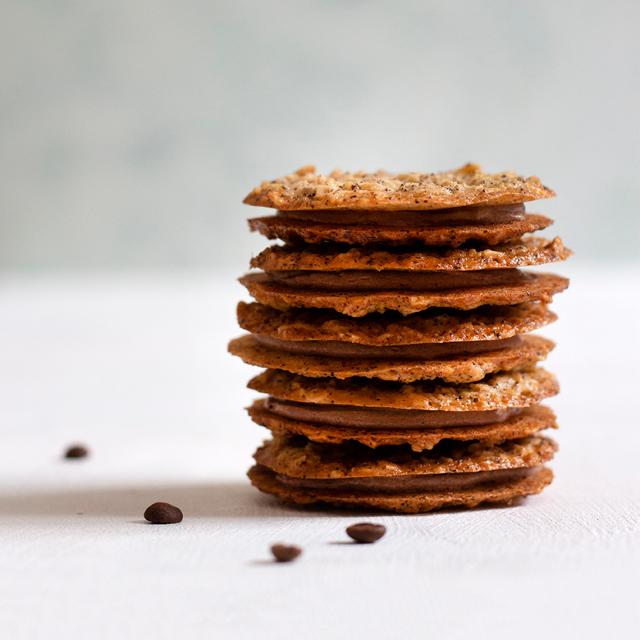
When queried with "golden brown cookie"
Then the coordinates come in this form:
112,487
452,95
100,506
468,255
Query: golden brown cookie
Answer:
461,368
505,492
527,252
431,326
468,185
496,391
289,229
525,423
538,287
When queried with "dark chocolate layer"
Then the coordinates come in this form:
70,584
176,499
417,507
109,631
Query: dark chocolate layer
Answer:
372,418
397,280
441,217
409,484
425,351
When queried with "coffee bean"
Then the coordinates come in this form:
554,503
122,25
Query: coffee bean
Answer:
285,552
76,451
365,532
163,513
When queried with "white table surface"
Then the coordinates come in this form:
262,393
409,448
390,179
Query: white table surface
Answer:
136,367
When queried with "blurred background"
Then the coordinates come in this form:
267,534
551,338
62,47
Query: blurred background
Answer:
131,130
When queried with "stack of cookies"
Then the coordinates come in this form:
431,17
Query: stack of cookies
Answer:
394,326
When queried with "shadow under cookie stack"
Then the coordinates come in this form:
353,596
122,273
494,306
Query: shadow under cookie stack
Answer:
394,326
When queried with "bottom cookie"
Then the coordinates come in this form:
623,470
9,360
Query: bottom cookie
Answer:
492,487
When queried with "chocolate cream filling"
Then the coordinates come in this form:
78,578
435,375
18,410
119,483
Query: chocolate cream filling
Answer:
369,280
410,483
479,215
428,351
373,418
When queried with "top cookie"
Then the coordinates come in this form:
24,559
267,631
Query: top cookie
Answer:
469,185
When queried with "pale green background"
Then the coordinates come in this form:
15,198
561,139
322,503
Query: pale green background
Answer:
130,130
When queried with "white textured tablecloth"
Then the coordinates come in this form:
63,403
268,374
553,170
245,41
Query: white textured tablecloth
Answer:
136,367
